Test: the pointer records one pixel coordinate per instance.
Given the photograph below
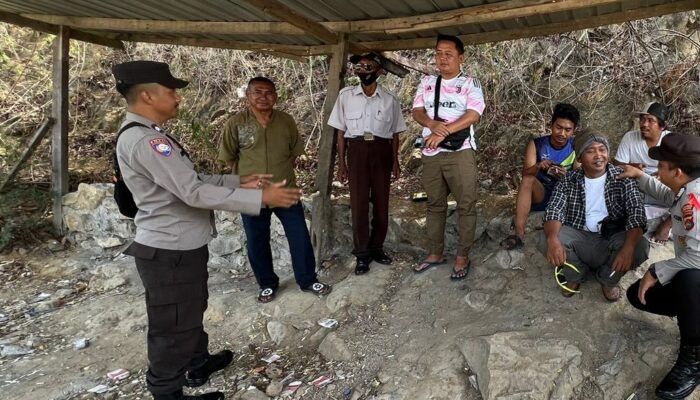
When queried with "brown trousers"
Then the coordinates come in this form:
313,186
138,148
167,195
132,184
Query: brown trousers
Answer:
445,173
369,175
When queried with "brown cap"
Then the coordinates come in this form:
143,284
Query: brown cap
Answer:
680,149
587,137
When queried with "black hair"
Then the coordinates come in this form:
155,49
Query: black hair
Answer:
566,111
261,79
129,91
692,171
454,39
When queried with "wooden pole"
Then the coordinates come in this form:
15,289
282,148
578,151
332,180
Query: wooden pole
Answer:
321,216
59,140
33,144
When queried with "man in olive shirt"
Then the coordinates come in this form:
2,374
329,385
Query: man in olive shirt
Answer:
266,140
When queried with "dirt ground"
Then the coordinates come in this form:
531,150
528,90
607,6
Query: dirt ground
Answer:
404,337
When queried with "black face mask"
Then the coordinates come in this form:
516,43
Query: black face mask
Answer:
367,78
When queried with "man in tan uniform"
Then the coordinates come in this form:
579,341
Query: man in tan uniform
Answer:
174,223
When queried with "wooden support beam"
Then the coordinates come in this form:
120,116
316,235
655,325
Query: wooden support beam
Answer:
33,144
54,29
542,30
326,31
229,44
322,212
59,111
284,13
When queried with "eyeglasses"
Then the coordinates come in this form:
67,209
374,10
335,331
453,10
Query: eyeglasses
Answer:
365,67
561,280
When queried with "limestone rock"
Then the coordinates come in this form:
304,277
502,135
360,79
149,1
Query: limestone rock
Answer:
254,394
280,333
515,365
334,348
509,259
88,197
357,290
477,300
274,389
226,244
109,242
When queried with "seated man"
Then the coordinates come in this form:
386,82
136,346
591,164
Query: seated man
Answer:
633,150
670,287
547,159
594,221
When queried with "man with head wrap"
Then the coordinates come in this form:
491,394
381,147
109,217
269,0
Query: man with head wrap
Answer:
594,221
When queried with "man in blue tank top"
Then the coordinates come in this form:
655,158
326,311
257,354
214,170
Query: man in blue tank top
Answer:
547,159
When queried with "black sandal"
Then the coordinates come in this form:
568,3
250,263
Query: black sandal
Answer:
459,274
267,295
318,288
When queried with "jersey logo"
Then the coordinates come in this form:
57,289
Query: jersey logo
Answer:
162,146
476,83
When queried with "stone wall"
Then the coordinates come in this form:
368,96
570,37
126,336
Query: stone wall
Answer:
94,223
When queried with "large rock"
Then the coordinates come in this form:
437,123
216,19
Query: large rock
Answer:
334,348
514,365
88,197
358,290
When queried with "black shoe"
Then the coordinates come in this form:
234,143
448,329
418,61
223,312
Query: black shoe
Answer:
680,382
381,257
215,362
362,266
179,396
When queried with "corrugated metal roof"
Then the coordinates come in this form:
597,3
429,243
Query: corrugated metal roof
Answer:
376,22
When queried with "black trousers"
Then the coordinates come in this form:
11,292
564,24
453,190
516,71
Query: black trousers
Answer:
679,298
176,297
369,177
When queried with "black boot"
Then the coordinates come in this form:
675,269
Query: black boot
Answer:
683,377
179,396
215,362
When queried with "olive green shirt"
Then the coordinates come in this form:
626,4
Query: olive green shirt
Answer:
258,150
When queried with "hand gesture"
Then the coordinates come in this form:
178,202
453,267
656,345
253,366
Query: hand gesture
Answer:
556,254
644,285
438,128
433,141
255,181
629,171
276,195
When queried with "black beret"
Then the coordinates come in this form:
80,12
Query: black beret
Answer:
136,72
679,149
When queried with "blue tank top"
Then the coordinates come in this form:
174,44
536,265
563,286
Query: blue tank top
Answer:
564,157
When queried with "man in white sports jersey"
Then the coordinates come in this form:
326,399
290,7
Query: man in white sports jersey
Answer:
448,106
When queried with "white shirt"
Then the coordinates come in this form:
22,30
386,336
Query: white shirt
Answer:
356,113
633,149
596,210
457,95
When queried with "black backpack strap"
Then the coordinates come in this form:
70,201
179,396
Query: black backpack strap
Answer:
115,163
436,104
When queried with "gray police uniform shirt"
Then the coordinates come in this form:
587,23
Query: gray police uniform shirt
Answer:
174,201
356,113
685,212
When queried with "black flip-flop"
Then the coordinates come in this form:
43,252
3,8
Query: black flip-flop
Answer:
512,242
266,295
426,265
461,273
318,288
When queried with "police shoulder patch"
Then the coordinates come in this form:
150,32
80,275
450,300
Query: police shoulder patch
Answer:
161,146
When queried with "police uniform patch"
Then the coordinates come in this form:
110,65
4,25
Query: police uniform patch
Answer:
161,146
687,211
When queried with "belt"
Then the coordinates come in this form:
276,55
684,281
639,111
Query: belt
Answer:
366,138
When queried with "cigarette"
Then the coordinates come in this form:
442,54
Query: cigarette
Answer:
611,274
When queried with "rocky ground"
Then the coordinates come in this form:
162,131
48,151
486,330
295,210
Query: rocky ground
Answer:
503,333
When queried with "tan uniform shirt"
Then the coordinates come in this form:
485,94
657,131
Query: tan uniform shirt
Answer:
174,201
258,150
356,113
685,213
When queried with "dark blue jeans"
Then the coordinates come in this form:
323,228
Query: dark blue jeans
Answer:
257,231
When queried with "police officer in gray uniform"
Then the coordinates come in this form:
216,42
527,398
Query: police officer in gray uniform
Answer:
174,223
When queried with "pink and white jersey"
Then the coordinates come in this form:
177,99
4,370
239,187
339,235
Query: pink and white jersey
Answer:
457,95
